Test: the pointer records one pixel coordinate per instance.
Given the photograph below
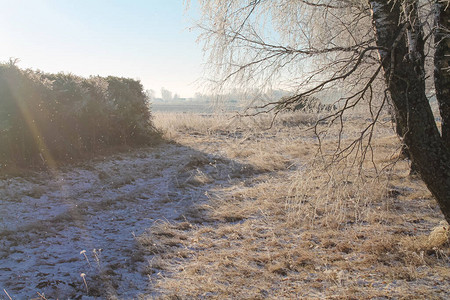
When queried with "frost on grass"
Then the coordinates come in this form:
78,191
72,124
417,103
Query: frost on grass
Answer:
86,219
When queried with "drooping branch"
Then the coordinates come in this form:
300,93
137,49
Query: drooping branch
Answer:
328,45
328,4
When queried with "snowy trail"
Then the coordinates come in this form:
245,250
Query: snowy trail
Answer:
47,220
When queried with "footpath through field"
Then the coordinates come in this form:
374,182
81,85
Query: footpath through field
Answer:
71,233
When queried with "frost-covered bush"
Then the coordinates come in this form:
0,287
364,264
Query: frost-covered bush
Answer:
62,116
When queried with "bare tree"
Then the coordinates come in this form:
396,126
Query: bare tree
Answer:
356,48
151,94
166,95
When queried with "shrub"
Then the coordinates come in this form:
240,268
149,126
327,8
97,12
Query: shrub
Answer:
62,116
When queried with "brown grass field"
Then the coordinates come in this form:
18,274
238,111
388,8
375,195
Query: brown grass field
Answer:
294,226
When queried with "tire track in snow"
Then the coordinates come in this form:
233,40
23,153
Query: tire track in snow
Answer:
53,227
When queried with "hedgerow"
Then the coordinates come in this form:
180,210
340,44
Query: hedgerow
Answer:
62,117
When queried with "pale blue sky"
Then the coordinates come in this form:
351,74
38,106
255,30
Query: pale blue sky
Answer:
148,40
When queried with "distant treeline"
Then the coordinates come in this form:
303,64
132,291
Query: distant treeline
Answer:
59,117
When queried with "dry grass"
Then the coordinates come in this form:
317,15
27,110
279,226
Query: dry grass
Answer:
301,228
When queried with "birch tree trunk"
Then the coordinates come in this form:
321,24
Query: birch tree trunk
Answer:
398,32
442,65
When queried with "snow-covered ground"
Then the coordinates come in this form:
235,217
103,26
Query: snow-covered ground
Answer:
56,227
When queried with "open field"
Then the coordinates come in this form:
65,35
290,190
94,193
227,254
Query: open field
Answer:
294,227
227,208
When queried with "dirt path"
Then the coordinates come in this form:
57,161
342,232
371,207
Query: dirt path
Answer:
56,226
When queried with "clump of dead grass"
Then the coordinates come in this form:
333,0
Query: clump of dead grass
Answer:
332,196
440,235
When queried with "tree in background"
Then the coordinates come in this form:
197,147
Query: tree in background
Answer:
151,95
361,52
166,95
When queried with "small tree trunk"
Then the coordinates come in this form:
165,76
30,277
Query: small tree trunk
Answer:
442,66
403,65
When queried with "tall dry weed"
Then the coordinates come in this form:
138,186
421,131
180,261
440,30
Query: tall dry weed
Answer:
333,196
